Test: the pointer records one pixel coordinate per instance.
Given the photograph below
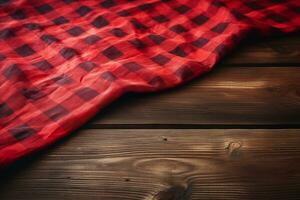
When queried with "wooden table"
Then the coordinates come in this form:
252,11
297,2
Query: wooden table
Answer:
232,134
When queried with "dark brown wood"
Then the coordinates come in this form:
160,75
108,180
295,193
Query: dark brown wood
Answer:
164,164
226,96
275,51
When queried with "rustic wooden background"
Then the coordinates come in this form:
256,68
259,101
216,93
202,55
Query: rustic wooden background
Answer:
232,134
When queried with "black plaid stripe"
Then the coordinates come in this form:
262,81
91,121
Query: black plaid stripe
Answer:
60,20
14,72
92,39
100,22
238,15
178,29
33,26
220,28
146,6
4,2
220,49
32,93
68,53
157,39
25,50
18,15
86,93
124,13
108,3
178,51
138,44
57,112
49,39
75,31
112,53
160,59
253,5
138,25
63,79
132,66
87,66
43,9
43,65
295,8
69,1
184,73
5,110
22,132
200,42
161,18
277,18
2,57
118,32
6,33
83,10
108,76
200,19
218,4
157,82
182,9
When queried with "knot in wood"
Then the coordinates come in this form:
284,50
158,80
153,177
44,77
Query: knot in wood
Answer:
233,148
175,192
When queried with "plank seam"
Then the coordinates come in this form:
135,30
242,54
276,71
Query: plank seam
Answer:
192,126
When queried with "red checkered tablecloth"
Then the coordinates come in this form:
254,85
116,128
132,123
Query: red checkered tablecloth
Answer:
61,61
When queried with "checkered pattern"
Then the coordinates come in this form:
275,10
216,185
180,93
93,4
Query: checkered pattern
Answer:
61,61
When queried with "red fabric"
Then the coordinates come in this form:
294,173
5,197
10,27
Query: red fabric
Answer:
61,61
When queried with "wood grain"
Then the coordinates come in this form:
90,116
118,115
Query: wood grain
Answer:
164,164
226,96
275,51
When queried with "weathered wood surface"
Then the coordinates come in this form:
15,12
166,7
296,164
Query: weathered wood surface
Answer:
226,96
275,51
165,164
232,134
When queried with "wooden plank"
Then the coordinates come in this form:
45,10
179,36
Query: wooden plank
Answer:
226,96
275,51
164,164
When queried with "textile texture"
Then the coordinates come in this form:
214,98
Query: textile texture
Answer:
61,61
